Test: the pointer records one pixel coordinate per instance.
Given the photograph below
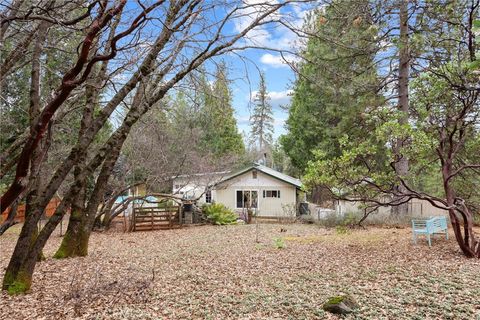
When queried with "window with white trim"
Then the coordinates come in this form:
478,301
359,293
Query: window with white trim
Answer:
246,199
271,193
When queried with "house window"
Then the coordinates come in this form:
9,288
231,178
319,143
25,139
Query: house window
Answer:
254,174
247,199
271,193
208,196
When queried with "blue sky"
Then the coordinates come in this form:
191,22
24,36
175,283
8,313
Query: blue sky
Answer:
244,71
244,65
279,82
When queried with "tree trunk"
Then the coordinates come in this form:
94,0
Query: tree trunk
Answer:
18,279
19,272
107,217
82,219
461,217
10,221
75,241
70,81
402,165
18,276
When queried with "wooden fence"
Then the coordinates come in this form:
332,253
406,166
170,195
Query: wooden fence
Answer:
154,218
20,216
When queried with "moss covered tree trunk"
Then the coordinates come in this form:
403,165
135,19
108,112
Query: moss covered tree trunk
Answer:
18,278
18,275
19,272
82,218
75,240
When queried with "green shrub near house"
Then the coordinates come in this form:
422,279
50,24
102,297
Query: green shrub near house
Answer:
219,214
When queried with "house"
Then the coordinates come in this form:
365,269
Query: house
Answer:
197,186
265,191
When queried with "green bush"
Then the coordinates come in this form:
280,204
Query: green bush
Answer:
219,214
341,229
476,219
279,243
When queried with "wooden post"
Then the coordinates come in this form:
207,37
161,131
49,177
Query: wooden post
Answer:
169,217
151,215
180,213
133,219
124,222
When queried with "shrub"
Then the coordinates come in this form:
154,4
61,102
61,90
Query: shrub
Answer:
476,219
334,219
308,219
166,204
279,243
219,214
341,229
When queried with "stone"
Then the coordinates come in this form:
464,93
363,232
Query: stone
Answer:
340,305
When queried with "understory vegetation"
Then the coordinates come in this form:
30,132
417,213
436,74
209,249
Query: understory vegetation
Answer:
219,214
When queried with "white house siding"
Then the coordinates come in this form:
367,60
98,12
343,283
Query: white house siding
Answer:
195,186
267,207
416,208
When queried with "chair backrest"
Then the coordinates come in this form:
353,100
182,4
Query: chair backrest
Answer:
438,223
419,224
433,224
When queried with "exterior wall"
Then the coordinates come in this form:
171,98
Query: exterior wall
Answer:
193,187
416,208
267,207
189,190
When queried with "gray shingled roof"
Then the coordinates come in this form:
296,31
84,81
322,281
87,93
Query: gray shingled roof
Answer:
268,171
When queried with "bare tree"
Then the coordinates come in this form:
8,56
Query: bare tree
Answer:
187,38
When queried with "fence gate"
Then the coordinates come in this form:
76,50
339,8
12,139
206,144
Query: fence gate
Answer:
154,218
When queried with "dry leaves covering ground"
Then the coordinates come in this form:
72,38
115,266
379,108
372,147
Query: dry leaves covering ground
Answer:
213,272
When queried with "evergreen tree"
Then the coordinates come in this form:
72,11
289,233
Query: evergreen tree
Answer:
336,83
261,119
220,133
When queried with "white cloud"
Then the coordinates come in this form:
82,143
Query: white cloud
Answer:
278,61
273,61
279,37
280,98
243,120
277,98
272,36
251,11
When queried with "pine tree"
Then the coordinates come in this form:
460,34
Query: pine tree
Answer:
336,83
261,119
220,133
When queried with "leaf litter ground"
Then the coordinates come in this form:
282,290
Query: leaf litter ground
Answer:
221,272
